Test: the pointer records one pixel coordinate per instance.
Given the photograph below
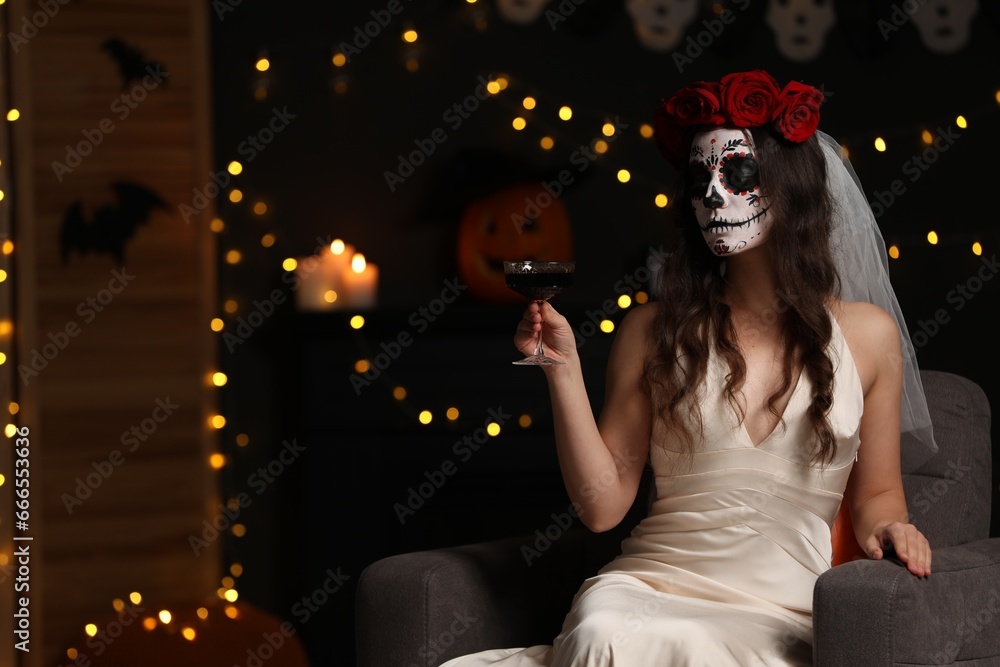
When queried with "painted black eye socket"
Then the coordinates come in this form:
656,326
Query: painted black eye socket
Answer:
741,174
698,178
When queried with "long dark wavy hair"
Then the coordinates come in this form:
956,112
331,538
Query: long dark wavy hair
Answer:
793,177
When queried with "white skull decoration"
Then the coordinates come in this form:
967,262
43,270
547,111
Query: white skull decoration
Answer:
724,183
800,26
521,11
944,26
660,24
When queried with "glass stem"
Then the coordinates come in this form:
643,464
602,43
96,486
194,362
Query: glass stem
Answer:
539,348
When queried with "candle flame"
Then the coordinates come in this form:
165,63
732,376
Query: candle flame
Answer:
337,247
358,263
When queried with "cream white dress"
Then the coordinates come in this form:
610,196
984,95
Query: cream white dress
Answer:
721,572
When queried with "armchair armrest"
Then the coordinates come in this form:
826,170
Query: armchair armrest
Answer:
875,612
422,608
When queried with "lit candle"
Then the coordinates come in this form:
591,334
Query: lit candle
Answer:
336,265
363,279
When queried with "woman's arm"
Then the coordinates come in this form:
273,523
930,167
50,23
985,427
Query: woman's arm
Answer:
602,463
875,488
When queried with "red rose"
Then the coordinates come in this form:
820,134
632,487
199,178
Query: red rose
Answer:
797,114
671,139
749,97
697,104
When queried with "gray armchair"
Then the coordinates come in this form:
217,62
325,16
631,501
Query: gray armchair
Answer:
420,609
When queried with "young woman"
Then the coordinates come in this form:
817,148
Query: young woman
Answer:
762,397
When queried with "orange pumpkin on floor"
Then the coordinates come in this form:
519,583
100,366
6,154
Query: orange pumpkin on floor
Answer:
519,222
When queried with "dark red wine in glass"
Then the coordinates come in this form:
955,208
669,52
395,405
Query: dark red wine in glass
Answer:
539,281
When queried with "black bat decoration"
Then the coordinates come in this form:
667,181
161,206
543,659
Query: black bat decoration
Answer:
112,225
132,63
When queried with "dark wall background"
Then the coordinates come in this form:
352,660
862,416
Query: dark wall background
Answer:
323,176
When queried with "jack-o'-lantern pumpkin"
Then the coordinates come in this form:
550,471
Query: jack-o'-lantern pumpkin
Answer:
518,222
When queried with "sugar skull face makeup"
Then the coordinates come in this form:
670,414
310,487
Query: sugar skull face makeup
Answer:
724,185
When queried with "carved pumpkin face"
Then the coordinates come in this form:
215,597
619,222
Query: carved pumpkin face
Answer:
517,223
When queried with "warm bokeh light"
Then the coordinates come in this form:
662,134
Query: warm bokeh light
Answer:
927,137
358,263
90,629
546,143
339,59
519,123
565,113
188,634
977,248
3,275
337,247
357,322
361,366
216,460
232,612
217,421
524,421
13,115
452,414
493,87
425,417
8,247
410,36
259,208
217,324
236,569
661,200
202,613
961,122
601,146
165,616
228,582
267,240
231,306
217,225
330,296
880,144
894,252
13,408
134,597
646,131
608,129
149,623
219,379
242,440
6,326
263,65
624,176
624,301
503,81
641,297
607,326
233,257
10,430
289,264
234,168
932,237
236,195
238,530
399,393
493,429
529,102
71,653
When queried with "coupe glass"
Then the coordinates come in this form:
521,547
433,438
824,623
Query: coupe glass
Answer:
539,281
